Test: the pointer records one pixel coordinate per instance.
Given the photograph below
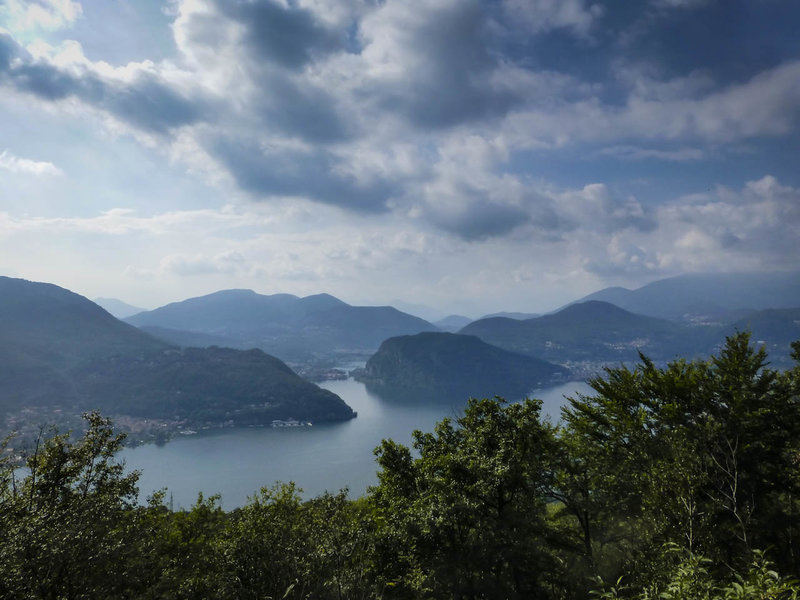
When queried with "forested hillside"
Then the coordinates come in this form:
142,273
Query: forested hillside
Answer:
674,483
61,354
439,366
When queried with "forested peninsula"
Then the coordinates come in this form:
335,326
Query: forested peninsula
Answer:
675,482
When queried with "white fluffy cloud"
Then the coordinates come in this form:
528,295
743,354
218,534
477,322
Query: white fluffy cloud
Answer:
22,16
753,228
15,164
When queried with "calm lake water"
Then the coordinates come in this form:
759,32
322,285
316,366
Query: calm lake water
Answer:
236,463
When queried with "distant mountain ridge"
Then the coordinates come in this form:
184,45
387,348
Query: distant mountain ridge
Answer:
58,348
712,296
118,308
434,366
453,323
588,331
519,316
285,325
603,333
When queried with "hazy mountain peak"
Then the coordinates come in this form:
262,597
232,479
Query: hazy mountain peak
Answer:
593,308
232,292
33,306
322,302
453,323
519,316
118,308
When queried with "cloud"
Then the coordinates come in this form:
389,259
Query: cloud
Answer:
595,208
678,3
768,105
275,49
621,257
762,219
8,50
12,163
287,171
144,100
124,221
636,153
427,111
432,63
228,262
286,35
543,15
754,228
22,16
474,217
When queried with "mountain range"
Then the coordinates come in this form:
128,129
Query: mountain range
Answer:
295,329
707,297
589,334
593,331
452,323
118,308
212,359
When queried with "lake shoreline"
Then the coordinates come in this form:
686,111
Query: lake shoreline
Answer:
237,462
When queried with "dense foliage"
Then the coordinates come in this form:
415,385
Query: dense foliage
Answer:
675,482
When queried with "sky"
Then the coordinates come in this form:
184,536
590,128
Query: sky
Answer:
465,155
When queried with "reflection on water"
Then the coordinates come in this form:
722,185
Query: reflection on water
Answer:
237,462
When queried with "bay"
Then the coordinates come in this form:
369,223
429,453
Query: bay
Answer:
236,463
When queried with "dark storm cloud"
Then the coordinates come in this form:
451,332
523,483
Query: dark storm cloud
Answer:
150,104
282,172
482,221
731,39
8,50
286,35
301,109
448,68
728,41
270,45
146,102
472,214
49,83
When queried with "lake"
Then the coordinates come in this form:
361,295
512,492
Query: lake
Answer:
237,462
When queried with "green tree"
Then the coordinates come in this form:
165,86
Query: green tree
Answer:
702,454
67,524
468,518
689,576
179,554
278,546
